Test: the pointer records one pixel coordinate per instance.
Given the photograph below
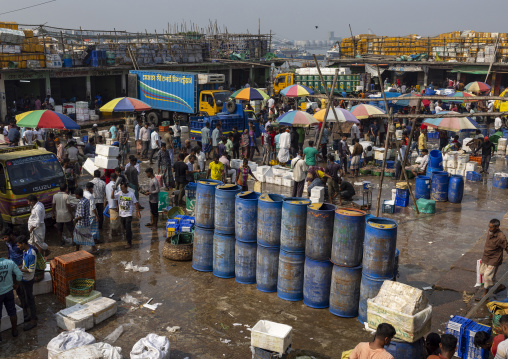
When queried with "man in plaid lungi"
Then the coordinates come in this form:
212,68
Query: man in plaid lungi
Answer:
82,233
164,158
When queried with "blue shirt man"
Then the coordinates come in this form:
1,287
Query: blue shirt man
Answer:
7,268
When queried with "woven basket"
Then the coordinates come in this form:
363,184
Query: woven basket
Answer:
179,247
81,287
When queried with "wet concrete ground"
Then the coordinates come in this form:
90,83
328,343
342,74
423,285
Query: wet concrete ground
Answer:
215,314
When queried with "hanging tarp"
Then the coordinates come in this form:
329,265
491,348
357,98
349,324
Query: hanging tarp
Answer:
476,70
372,70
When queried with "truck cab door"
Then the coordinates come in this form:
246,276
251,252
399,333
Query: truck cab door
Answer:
280,84
207,104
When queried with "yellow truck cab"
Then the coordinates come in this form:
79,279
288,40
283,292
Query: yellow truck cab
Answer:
282,81
26,170
211,101
502,106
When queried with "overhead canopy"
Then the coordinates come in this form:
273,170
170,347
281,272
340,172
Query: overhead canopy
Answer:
475,70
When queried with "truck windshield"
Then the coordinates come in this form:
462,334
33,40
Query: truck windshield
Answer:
221,97
34,173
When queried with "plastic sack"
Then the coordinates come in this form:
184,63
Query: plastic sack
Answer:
69,340
92,351
479,277
152,346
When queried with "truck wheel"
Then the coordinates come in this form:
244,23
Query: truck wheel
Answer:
231,106
153,117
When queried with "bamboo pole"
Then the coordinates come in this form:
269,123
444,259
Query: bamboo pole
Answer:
413,128
405,173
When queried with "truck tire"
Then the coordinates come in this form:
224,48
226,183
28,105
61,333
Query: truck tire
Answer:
153,117
231,106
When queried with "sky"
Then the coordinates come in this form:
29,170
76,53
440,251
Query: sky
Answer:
295,20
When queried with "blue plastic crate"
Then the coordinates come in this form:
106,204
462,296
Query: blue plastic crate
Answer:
473,176
172,222
472,351
190,190
379,162
457,327
388,207
401,202
94,63
402,193
390,164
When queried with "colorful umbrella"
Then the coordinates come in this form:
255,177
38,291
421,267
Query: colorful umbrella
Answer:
460,97
365,111
297,119
401,101
454,124
477,86
250,94
125,104
342,114
297,91
46,119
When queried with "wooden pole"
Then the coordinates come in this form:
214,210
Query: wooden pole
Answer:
390,122
487,296
330,105
413,128
404,172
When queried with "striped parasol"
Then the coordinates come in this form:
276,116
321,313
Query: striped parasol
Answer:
365,111
297,119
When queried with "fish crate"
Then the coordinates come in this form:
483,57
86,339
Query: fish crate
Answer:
388,206
473,176
457,327
61,284
69,265
472,351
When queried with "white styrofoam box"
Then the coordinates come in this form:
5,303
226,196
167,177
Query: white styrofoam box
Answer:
44,286
461,172
463,158
271,336
82,104
316,200
270,179
451,171
59,108
461,166
101,309
107,151
471,166
262,170
277,180
94,117
253,166
451,164
446,157
109,141
288,181
90,166
453,156
278,170
77,316
91,113
106,162
394,194
184,129
236,164
465,143
502,142
6,320
317,191
378,155
261,178
103,133
78,141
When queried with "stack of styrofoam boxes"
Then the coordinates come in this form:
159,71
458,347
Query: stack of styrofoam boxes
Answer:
87,315
106,156
262,172
5,322
253,166
450,163
44,286
236,164
462,160
317,194
287,179
82,111
69,107
501,146
471,167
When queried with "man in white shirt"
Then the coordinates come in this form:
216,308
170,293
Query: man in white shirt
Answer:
72,152
113,210
284,145
155,143
201,157
215,139
355,131
144,135
62,212
299,168
438,108
28,136
126,201
99,194
271,102
36,225
177,134
498,123
229,171
421,169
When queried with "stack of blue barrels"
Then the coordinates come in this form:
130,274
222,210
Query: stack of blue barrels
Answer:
292,248
435,162
379,251
346,256
245,246
318,249
202,257
268,237
224,234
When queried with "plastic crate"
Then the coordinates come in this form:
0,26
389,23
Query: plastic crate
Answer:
190,190
402,193
61,284
74,263
388,207
390,164
477,159
426,205
401,202
472,351
457,327
473,176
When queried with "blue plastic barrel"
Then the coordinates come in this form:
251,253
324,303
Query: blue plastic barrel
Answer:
316,283
430,171
202,256
246,216
404,350
456,189
369,288
348,234
205,203
269,219
224,255
320,217
267,268
435,159
345,291
225,196
439,187
422,187
290,275
245,262
293,224
500,181
379,247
